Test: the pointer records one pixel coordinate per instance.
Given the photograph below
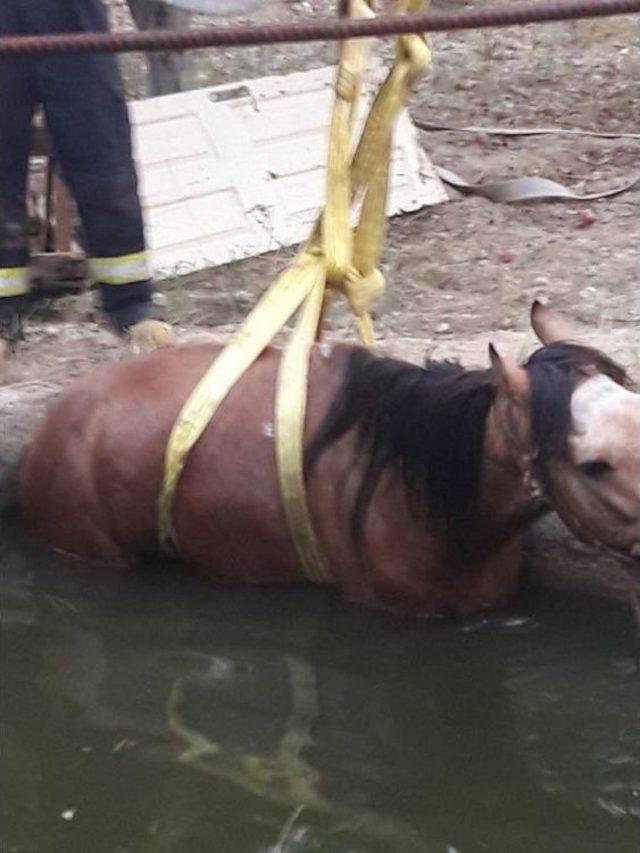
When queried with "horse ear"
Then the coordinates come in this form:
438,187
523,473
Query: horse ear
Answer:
509,376
551,326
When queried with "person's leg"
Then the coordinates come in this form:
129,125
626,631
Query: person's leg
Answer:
17,104
167,70
89,127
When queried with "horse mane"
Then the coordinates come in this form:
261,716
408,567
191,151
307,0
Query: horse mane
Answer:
427,423
553,371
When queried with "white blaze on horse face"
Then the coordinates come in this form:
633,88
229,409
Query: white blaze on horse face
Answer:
606,419
604,493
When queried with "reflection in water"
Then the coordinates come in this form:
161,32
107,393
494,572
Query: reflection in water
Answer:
142,714
280,774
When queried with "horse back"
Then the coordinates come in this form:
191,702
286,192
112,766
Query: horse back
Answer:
91,477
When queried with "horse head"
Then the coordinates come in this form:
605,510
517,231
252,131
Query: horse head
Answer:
574,416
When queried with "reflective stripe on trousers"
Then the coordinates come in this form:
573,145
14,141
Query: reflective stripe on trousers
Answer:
14,281
121,269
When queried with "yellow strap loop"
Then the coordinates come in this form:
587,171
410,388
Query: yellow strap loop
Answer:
358,277
337,241
291,405
336,258
264,322
351,261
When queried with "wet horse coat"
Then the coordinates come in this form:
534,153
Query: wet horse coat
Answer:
420,480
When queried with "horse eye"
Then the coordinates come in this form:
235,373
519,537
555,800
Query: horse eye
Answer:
595,468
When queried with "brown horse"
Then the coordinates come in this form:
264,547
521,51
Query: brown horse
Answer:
420,479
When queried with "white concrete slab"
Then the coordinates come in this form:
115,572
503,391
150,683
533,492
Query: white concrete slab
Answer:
234,171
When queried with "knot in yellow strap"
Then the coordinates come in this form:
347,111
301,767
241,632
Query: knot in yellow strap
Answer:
361,291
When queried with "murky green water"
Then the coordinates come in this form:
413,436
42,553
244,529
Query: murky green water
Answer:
144,714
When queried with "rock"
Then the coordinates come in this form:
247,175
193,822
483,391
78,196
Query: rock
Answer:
443,329
588,293
21,407
586,218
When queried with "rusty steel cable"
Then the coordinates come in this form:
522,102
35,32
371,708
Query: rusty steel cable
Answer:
536,11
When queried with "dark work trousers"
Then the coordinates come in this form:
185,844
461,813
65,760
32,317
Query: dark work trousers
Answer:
167,69
88,125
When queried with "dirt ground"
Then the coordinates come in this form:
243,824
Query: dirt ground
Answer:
467,270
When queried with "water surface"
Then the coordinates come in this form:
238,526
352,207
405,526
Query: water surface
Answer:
149,714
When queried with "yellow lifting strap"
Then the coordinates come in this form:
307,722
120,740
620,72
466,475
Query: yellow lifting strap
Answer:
336,259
